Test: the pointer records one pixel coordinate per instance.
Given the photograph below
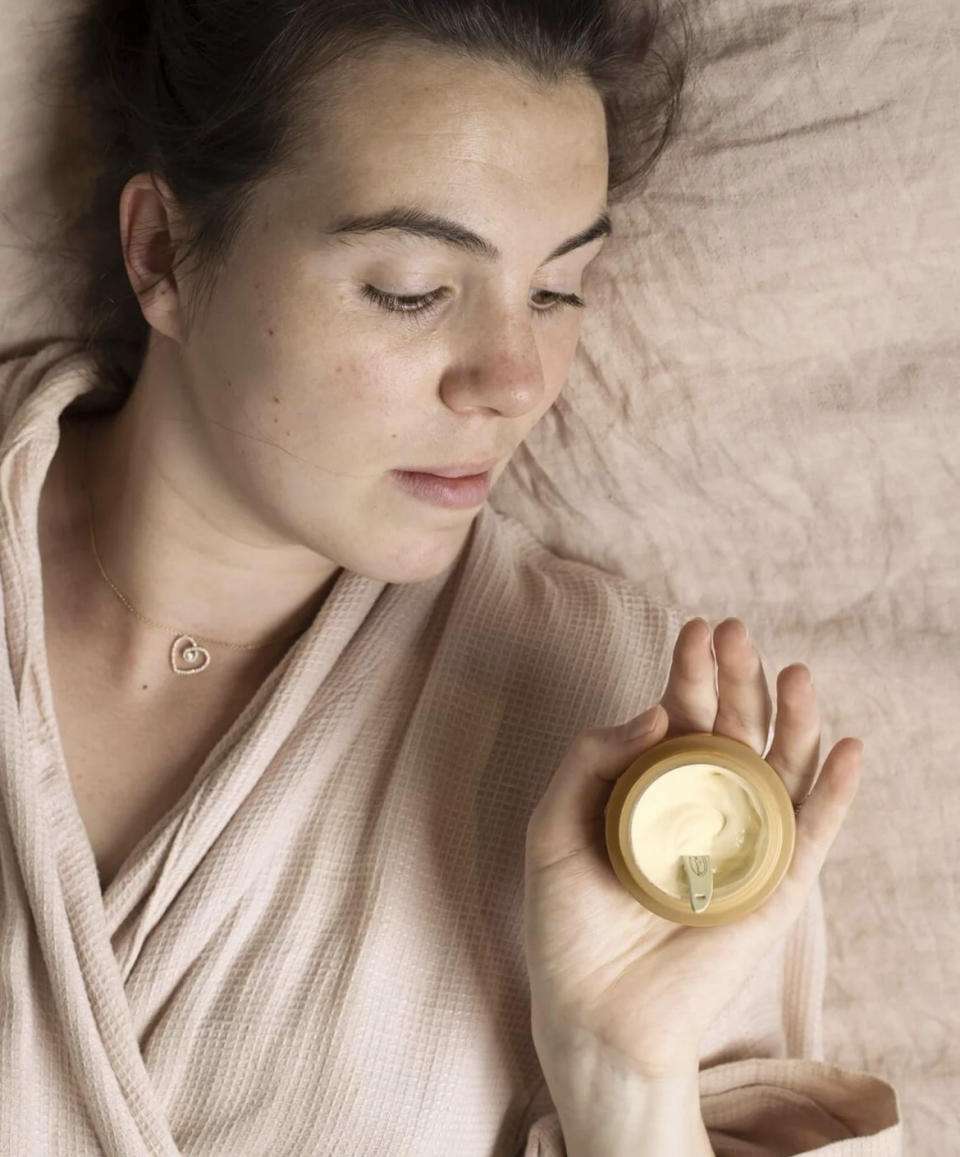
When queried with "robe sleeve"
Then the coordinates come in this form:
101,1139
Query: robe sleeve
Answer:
776,1107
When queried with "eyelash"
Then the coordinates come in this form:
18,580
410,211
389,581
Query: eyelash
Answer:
392,301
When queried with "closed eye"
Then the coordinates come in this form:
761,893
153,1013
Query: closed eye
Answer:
425,303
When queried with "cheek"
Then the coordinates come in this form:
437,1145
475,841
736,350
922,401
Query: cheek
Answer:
558,353
336,410
272,365
307,376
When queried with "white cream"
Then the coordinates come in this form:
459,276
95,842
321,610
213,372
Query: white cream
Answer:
699,809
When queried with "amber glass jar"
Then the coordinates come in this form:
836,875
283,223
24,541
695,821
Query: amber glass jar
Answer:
689,798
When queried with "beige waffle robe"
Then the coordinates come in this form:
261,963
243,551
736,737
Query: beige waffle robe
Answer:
318,950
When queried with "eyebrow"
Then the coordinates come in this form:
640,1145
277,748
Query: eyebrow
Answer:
412,219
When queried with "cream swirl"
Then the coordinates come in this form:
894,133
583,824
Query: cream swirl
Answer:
696,810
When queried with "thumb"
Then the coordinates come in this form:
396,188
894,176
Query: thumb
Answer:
567,817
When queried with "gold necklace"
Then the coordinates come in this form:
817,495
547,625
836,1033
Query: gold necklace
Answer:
185,648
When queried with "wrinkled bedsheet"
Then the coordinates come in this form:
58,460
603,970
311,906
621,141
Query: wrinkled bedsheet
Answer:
761,421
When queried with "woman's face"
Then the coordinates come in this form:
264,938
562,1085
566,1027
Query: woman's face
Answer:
302,393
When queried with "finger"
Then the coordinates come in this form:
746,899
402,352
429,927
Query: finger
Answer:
795,750
744,706
569,815
690,697
821,817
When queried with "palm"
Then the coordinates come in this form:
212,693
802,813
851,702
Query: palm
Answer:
622,972
605,968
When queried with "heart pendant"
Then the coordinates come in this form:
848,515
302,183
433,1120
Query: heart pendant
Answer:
191,654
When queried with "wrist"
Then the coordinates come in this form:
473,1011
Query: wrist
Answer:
606,1109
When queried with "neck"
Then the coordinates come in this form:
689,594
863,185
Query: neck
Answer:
179,545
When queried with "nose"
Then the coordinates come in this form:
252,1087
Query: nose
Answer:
499,368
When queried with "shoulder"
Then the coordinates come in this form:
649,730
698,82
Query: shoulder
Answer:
603,630
33,370
585,599
588,647
24,367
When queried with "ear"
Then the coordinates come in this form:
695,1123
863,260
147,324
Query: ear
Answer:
148,235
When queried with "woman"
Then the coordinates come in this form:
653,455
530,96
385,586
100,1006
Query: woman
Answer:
303,753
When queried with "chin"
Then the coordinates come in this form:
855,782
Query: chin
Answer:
411,554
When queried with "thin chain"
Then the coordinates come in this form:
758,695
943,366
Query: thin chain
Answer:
126,603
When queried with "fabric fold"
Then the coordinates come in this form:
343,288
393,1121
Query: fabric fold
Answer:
779,1107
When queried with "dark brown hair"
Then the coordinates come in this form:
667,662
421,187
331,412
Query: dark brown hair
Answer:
210,94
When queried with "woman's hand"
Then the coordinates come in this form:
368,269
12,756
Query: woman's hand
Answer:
607,975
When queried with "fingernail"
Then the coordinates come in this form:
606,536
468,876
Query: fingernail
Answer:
642,723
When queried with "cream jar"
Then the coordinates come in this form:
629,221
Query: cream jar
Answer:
700,829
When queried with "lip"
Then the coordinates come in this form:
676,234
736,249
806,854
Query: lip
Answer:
465,470
454,493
